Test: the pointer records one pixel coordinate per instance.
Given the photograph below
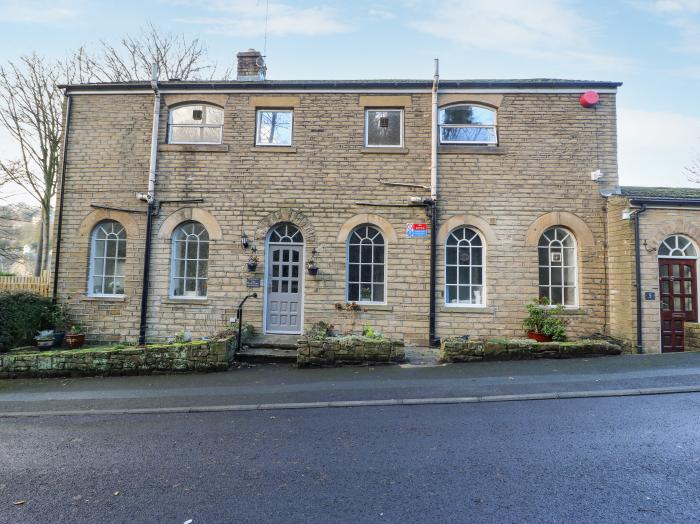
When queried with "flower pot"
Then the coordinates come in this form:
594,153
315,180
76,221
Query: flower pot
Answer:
252,267
58,337
75,340
313,270
45,343
539,337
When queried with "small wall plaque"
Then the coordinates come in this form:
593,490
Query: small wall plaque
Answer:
252,282
649,295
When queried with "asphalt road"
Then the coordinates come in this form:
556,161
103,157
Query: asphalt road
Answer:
624,459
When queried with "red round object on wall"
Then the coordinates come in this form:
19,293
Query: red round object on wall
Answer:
589,99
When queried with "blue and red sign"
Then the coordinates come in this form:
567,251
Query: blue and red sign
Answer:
416,230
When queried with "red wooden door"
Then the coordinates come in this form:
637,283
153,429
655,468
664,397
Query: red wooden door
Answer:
679,300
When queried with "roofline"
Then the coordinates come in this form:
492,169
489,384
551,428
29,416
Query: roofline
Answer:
340,85
670,202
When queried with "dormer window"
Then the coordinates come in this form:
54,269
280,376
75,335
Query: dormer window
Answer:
195,124
468,124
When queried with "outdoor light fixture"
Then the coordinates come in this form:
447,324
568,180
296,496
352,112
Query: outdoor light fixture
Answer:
244,241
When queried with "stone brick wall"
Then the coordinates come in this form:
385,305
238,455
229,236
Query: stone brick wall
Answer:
692,336
548,147
180,358
348,350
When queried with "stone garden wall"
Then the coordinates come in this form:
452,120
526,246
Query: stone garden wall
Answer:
348,350
692,336
129,360
460,350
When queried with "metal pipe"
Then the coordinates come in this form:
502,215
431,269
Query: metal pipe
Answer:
239,317
150,198
638,276
432,339
59,220
434,134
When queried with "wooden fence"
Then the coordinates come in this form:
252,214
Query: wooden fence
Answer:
38,285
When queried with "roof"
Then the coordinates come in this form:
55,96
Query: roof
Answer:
532,83
660,193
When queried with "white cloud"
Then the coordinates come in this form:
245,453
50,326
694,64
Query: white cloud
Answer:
383,14
656,146
37,11
683,15
546,29
247,18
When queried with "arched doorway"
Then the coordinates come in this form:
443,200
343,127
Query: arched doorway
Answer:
678,290
284,279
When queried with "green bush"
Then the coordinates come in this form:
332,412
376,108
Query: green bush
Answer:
22,315
319,331
542,318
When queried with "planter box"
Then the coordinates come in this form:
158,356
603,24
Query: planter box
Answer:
460,350
335,351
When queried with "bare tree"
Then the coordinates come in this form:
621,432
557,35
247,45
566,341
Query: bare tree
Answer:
177,58
30,112
692,171
31,104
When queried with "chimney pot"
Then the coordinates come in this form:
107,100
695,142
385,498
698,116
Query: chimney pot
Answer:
251,66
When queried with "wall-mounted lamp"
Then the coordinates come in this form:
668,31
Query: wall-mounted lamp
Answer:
649,249
244,240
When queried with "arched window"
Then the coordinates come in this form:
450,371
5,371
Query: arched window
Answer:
467,124
464,268
677,246
190,261
195,124
366,260
286,233
557,261
107,259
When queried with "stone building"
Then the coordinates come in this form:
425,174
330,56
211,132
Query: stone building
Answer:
434,222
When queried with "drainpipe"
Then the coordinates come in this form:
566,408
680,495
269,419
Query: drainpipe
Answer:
638,276
149,197
432,340
59,224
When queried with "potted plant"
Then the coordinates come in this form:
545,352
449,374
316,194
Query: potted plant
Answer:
311,267
253,262
75,338
542,323
44,340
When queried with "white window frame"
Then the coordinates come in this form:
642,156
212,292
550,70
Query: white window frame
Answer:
91,271
174,278
347,268
384,109
258,113
463,305
683,256
493,142
220,127
575,305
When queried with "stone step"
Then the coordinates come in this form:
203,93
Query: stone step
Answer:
274,342
265,354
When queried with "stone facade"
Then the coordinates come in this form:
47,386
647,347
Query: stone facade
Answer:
656,223
335,351
692,336
460,350
177,358
537,176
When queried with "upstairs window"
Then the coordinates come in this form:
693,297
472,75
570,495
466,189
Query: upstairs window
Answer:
468,124
274,127
384,128
195,124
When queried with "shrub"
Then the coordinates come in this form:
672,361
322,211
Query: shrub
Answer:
541,318
369,332
22,315
319,331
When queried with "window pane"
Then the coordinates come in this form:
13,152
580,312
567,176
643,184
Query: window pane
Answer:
384,128
202,288
378,273
365,292
451,294
452,255
464,293
366,273
451,275
98,267
477,276
557,297
354,273
379,254
466,114
354,253
544,276
353,292
211,135
119,286
468,134
274,128
185,134
178,287
476,256
378,293
477,295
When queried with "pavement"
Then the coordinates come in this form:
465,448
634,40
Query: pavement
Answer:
282,385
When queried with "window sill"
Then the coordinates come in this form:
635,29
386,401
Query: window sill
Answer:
273,149
375,307
186,301
194,148
574,311
385,150
104,298
466,149
467,309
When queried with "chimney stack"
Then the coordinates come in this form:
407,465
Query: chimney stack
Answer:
251,66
